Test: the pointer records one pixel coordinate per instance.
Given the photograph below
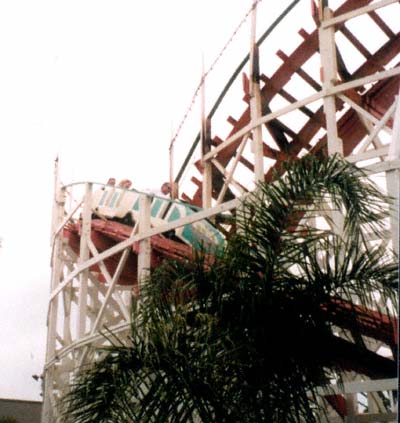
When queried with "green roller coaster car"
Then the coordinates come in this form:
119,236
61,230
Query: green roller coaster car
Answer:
123,205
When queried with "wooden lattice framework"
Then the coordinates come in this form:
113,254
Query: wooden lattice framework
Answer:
353,113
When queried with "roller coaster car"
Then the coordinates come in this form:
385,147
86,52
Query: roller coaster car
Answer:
115,214
122,205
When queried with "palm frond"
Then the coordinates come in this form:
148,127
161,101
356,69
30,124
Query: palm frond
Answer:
242,337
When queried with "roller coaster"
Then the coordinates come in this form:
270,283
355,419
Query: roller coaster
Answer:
336,92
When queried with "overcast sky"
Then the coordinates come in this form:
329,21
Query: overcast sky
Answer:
102,84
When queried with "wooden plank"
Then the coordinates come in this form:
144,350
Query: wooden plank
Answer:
355,41
310,99
382,24
356,12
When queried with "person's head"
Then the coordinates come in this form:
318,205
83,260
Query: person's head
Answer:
166,188
125,183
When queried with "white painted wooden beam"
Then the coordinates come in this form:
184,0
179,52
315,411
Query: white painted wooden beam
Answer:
144,256
255,100
357,12
52,318
229,175
205,135
327,49
337,89
393,178
369,154
83,257
380,123
223,171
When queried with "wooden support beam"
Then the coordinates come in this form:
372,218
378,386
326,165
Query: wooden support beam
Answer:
229,175
310,99
382,24
56,264
255,100
83,257
205,136
393,178
304,75
354,40
329,72
144,256
332,21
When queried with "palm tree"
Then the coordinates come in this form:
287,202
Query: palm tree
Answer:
252,333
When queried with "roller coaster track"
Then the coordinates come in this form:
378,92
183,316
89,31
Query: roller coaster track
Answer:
295,123
283,141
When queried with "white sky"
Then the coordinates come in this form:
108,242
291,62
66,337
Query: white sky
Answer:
101,83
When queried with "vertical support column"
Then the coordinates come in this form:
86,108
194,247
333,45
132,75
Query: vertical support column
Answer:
327,48
67,301
56,274
94,303
393,187
393,178
255,100
144,257
205,148
83,257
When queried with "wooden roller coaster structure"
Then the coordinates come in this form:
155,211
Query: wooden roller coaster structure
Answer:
106,243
